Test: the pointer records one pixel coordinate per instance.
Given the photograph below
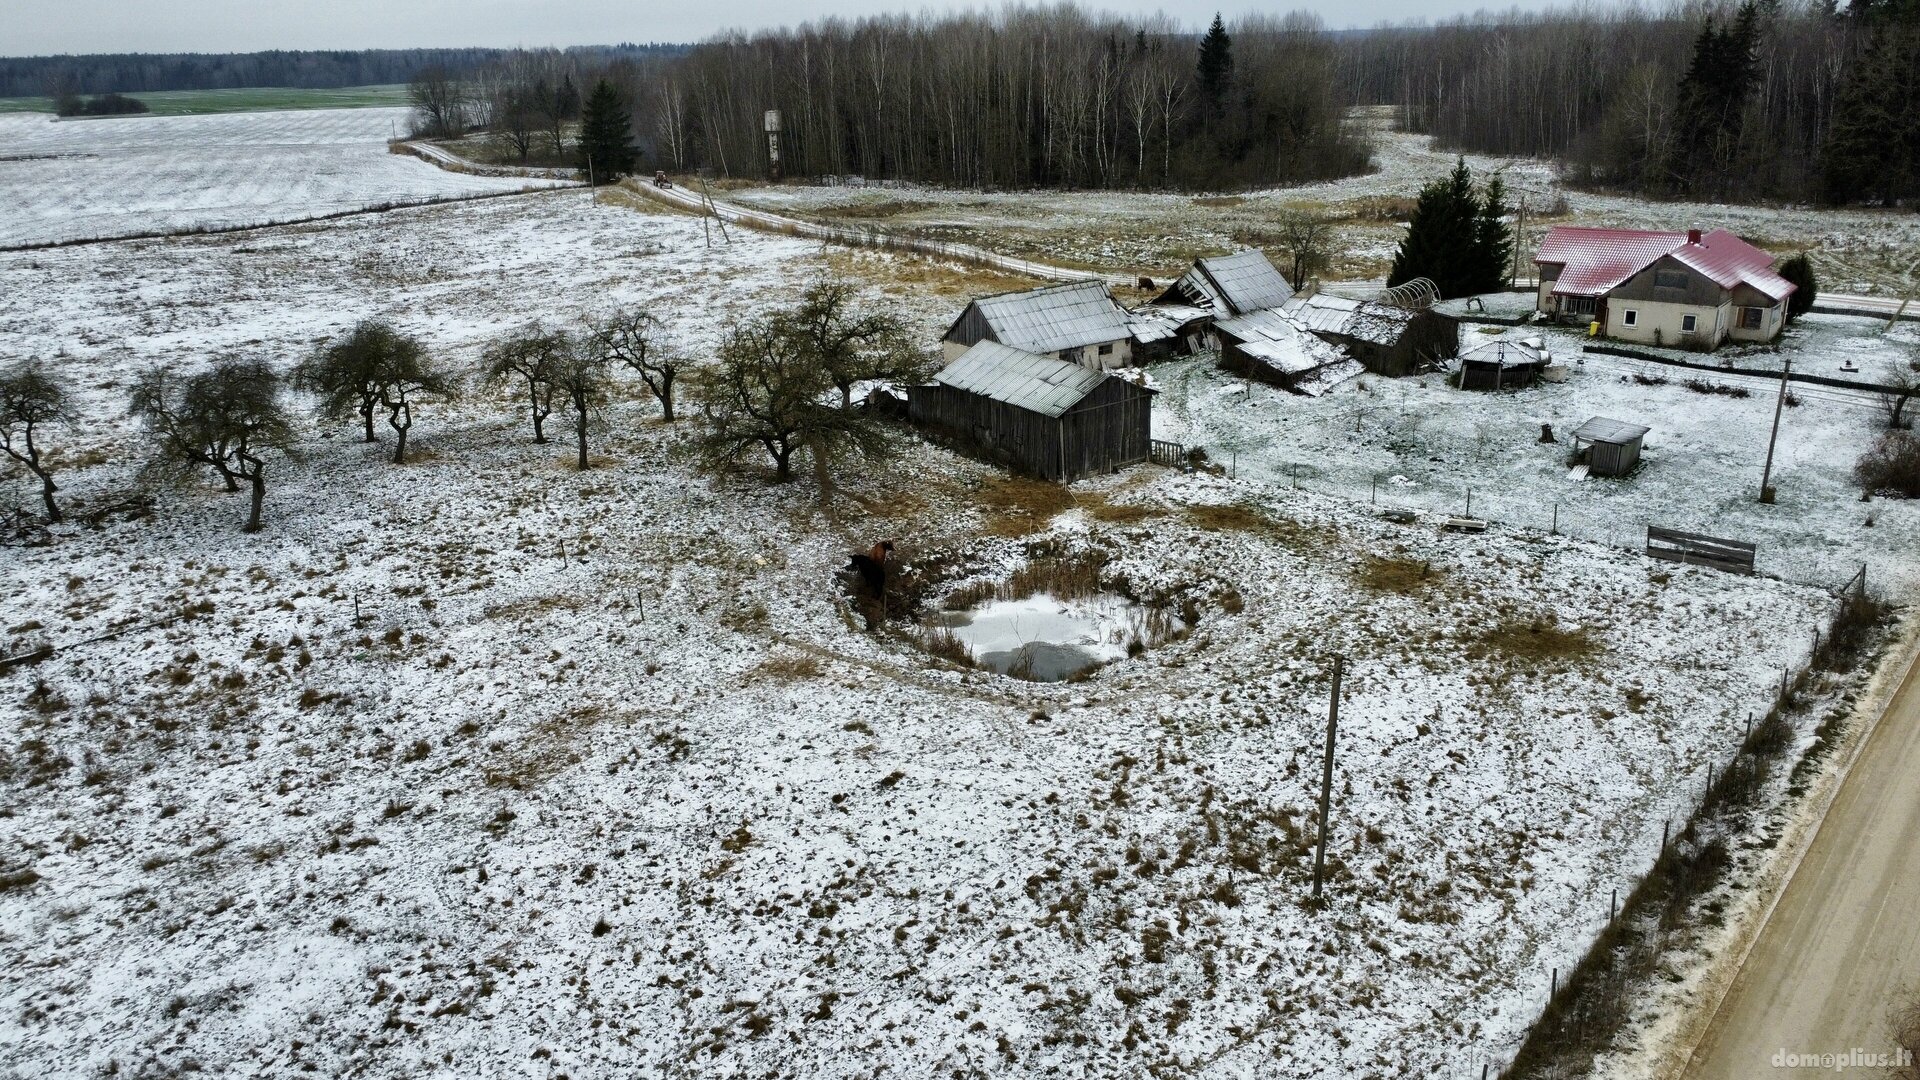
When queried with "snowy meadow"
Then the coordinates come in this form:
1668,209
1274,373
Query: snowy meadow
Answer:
482,766
81,179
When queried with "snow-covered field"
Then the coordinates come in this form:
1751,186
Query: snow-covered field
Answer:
483,767
1420,443
70,180
1858,251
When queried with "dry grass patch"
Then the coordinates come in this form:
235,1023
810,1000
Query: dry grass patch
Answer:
1020,506
1221,201
1540,640
1230,517
1387,574
1100,508
900,272
788,668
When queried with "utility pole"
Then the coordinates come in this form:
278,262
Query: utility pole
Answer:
1326,779
1779,403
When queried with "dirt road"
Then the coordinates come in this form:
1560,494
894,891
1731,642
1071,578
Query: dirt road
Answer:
1843,944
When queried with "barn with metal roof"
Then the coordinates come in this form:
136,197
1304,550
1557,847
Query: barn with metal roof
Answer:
1050,418
1078,321
1687,289
1230,285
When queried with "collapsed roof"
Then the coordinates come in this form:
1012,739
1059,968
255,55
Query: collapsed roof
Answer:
1363,320
1237,284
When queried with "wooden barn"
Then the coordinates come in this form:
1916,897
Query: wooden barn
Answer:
1079,322
1267,346
1387,340
1049,418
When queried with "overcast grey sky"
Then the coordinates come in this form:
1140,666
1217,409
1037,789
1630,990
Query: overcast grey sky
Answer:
33,27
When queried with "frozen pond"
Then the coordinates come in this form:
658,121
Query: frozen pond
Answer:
1046,639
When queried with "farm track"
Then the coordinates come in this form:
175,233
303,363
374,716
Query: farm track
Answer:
1836,952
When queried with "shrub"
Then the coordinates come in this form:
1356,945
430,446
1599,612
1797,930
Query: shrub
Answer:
1891,465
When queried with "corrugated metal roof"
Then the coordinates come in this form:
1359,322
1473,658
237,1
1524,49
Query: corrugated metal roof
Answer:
1246,280
1277,341
1325,313
1036,383
1195,288
1526,352
1158,322
1596,261
1603,430
1055,317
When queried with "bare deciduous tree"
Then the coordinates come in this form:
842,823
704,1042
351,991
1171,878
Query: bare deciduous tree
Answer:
31,400
581,377
1898,387
1307,237
848,344
227,418
633,338
374,367
765,396
439,97
528,357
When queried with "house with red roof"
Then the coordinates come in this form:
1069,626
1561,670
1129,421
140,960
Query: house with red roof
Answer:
1683,289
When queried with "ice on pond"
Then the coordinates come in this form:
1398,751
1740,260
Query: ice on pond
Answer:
1047,639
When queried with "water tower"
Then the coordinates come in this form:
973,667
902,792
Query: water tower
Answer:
773,144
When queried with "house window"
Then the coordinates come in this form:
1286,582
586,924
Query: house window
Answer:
1669,279
1107,349
1630,318
1689,323
1579,305
1750,318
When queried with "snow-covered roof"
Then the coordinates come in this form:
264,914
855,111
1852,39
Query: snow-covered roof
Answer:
1036,383
1277,341
1526,352
1596,261
1325,313
1236,284
1600,429
1055,317
1158,322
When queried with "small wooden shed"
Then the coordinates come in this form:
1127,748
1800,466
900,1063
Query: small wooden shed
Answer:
1503,365
1045,417
1609,447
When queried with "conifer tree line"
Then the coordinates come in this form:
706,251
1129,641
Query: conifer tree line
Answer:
1761,99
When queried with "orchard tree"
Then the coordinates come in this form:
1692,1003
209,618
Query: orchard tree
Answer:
526,359
633,338
847,344
227,418
33,399
767,396
374,368
581,377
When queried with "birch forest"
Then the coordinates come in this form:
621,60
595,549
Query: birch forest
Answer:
1017,98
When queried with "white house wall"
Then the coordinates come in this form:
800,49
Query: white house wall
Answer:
1657,319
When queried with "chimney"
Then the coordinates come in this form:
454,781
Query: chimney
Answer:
1693,236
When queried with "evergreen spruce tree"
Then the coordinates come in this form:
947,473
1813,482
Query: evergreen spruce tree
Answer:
1215,68
1711,103
1492,240
1457,239
1872,152
1799,270
606,135
1441,239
